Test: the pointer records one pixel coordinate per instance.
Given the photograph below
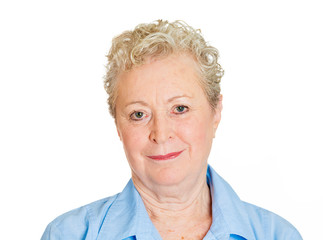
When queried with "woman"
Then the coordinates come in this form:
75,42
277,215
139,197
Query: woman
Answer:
164,94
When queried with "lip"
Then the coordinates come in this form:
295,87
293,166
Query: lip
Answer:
166,157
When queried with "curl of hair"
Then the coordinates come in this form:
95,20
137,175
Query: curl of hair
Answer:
157,40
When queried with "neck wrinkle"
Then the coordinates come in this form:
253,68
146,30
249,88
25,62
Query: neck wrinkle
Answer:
178,210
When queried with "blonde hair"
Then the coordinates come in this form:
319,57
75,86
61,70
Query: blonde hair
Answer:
160,39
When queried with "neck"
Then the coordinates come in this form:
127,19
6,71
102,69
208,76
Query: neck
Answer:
179,206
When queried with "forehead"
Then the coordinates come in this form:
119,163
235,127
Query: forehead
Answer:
161,79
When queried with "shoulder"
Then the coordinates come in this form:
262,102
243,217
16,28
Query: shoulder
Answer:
272,225
80,223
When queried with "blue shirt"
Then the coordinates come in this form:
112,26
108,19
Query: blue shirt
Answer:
124,217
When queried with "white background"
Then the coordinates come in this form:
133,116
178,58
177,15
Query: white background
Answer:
59,147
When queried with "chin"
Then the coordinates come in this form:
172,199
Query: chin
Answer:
168,176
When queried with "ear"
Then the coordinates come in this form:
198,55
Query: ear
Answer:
119,134
118,131
217,114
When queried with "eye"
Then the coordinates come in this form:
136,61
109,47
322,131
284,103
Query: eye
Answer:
181,109
137,116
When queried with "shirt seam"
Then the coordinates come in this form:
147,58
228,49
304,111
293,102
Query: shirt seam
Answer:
105,215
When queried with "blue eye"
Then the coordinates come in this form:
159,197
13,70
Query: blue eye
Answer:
181,109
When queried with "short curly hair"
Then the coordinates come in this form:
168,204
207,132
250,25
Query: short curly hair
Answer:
160,39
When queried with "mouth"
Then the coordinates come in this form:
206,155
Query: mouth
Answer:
166,157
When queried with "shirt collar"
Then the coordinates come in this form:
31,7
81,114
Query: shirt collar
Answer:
229,215
127,215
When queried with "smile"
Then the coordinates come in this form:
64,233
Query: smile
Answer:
167,156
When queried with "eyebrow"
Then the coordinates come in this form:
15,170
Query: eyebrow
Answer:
168,101
176,97
137,102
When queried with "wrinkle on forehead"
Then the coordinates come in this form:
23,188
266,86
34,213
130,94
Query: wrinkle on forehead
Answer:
159,80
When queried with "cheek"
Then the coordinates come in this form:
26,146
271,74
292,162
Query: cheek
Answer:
195,131
133,140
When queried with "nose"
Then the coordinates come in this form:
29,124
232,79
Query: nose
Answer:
161,129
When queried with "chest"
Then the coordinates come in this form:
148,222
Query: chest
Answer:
196,231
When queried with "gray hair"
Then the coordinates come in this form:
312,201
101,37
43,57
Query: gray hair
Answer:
160,39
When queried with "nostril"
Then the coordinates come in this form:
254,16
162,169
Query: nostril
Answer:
161,129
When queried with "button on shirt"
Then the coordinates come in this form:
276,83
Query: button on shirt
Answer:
124,217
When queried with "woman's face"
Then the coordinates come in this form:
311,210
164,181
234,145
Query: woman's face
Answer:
165,121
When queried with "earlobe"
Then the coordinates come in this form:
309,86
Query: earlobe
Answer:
119,135
219,105
217,114
118,131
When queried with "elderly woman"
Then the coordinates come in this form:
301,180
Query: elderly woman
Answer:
164,94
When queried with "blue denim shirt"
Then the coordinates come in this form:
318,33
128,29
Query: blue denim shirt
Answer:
124,217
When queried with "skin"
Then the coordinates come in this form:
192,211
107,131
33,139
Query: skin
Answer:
161,108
